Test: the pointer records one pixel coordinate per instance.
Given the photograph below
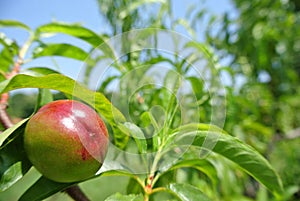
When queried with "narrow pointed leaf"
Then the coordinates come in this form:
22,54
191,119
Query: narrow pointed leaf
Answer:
11,176
39,71
64,50
11,130
73,30
9,51
133,6
238,152
6,59
13,160
45,96
202,165
13,23
187,192
120,197
137,135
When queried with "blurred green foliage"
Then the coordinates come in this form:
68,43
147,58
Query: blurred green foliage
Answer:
263,46
22,105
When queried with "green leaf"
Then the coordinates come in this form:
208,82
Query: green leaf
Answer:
13,23
187,26
202,165
45,96
187,192
42,189
199,127
147,118
6,59
70,86
133,6
11,130
238,152
202,49
137,135
106,82
64,50
133,187
39,71
117,173
9,43
120,197
11,176
73,30
9,51
14,162
172,82
197,86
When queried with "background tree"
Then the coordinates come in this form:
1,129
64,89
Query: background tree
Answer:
262,45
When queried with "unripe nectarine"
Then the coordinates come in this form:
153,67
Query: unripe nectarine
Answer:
66,141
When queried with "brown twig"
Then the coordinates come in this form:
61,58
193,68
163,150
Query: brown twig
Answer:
76,193
4,117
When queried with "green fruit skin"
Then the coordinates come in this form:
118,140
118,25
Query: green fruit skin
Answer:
66,141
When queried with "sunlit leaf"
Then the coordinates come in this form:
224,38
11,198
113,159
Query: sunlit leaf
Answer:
45,96
172,82
8,52
6,59
106,82
13,23
197,86
73,30
120,197
14,162
187,192
64,50
203,50
202,165
137,134
236,151
39,71
9,43
187,26
134,5
117,173
11,130
199,127
11,176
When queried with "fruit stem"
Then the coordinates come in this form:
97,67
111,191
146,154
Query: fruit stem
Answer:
76,193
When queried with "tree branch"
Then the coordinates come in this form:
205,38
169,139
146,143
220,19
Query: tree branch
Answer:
4,117
76,193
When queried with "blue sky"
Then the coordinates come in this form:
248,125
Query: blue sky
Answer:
36,12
